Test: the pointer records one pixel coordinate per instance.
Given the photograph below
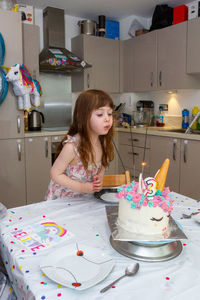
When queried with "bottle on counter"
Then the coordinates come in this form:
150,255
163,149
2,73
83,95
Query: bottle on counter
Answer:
102,26
194,113
185,117
198,123
160,118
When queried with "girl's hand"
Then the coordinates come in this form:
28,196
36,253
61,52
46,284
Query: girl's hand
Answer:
97,183
87,187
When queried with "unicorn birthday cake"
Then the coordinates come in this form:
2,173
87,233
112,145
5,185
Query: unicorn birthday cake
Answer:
145,207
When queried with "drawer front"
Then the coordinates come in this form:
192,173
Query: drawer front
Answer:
57,138
138,139
126,154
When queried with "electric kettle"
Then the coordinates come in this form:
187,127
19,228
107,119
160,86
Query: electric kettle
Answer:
34,120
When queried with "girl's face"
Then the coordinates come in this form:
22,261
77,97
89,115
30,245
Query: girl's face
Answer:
101,120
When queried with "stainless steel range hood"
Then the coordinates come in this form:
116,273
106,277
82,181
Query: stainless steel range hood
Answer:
54,58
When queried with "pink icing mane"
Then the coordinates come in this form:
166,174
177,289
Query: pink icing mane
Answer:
130,192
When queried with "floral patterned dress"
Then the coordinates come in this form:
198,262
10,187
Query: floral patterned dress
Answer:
75,172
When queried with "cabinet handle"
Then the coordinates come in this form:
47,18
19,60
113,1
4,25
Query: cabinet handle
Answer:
133,153
19,151
18,124
46,149
160,78
174,149
88,80
151,79
135,140
185,152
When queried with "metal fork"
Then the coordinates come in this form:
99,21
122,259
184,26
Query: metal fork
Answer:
189,216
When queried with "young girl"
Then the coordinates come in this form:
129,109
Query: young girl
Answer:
85,152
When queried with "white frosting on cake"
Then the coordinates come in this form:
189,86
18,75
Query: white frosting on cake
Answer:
143,214
146,220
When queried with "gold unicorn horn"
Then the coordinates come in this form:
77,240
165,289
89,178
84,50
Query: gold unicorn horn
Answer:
6,68
161,175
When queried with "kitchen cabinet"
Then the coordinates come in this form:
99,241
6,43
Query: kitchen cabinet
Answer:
162,148
159,61
184,163
31,48
193,46
38,164
11,120
103,54
133,157
128,75
12,172
145,62
189,168
172,51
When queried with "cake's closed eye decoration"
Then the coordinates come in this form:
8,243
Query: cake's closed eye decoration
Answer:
157,220
145,207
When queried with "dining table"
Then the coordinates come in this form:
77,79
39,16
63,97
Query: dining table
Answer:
84,222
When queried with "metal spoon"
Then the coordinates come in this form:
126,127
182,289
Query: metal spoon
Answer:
130,271
189,216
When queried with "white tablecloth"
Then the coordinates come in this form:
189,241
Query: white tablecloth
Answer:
176,279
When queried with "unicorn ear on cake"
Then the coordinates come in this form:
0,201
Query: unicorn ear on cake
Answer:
161,175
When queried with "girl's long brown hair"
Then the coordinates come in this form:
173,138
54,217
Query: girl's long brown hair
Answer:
87,102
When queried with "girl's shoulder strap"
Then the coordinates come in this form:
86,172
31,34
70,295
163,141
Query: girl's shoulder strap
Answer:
72,139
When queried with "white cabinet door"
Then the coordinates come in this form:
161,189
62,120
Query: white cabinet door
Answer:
12,173
103,54
11,120
38,164
189,169
162,148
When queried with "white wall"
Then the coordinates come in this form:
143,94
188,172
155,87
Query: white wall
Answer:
125,25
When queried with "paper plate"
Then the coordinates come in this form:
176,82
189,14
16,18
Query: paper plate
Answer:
107,195
77,266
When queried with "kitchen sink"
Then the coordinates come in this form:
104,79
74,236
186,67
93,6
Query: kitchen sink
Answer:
181,130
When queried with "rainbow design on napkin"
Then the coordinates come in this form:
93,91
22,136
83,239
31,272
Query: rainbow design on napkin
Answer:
60,231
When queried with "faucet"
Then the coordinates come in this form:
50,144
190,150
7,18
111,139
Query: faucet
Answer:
188,130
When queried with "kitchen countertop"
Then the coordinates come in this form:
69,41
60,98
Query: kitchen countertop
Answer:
160,131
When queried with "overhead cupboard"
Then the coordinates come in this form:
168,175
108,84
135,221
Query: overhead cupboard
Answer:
104,56
158,60
163,59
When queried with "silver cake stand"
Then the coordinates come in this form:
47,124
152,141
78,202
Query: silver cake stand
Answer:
143,250
147,252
